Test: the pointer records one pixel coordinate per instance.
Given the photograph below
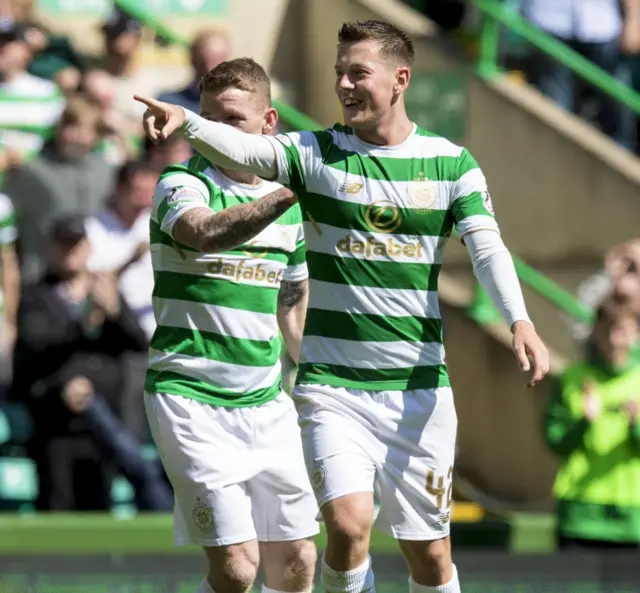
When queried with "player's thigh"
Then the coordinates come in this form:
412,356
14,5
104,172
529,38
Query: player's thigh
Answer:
415,479
203,452
339,448
283,503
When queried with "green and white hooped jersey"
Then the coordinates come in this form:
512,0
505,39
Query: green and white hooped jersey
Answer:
29,109
217,337
376,223
8,228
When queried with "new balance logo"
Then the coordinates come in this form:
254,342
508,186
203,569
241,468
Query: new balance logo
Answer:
351,188
444,518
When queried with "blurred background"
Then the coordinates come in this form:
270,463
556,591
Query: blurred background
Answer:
544,93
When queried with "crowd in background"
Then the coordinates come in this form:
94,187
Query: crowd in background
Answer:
77,185
606,32
75,273
592,419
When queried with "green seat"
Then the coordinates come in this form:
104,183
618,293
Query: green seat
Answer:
18,479
121,491
122,501
149,452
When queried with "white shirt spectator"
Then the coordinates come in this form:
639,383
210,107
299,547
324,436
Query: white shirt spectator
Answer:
589,21
112,246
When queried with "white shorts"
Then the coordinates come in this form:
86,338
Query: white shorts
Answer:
238,473
398,444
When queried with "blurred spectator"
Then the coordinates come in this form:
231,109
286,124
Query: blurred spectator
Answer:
54,58
10,285
9,272
67,177
620,276
592,425
123,38
208,49
601,33
622,264
119,238
116,144
175,149
73,328
29,106
152,489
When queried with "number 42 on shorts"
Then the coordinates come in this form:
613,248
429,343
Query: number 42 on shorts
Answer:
436,487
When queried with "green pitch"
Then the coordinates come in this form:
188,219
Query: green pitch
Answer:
105,534
24,534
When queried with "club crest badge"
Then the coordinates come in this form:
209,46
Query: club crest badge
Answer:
202,516
423,193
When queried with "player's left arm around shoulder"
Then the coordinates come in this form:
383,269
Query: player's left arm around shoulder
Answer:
292,311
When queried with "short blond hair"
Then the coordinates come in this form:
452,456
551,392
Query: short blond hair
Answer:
242,73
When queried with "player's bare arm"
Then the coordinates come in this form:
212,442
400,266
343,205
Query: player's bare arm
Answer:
292,310
212,232
493,266
222,144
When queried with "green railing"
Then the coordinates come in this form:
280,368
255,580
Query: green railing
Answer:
482,309
496,13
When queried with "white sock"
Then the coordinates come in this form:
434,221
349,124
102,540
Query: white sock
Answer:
358,580
266,589
204,587
453,586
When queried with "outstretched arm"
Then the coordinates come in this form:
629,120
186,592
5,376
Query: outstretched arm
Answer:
228,147
223,145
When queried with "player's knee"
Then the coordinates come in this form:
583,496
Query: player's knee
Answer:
429,561
302,560
348,532
232,569
348,523
289,565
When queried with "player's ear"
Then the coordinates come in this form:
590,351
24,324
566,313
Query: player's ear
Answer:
270,121
403,75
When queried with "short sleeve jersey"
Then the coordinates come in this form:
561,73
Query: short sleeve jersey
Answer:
217,337
376,220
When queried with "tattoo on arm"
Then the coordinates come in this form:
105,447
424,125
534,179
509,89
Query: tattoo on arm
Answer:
291,293
210,232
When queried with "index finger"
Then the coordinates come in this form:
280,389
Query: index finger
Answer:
148,101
